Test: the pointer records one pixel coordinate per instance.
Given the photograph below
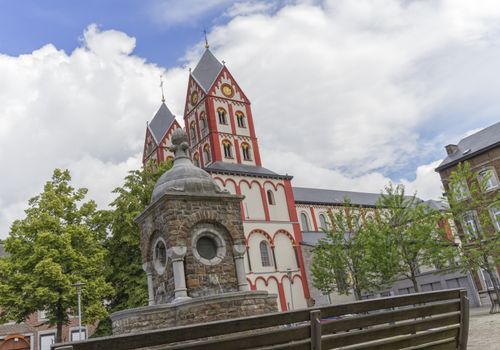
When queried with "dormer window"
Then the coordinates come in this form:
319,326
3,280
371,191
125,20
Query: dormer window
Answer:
221,112
228,152
245,149
240,119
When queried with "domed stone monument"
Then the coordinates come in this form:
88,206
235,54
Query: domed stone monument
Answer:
193,250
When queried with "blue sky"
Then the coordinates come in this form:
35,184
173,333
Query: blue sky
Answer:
345,94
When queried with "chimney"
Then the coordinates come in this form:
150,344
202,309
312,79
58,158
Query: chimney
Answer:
451,149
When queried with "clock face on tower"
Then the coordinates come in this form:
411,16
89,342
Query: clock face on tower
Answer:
194,98
227,90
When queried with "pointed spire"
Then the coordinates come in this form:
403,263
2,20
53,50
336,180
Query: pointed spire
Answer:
161,87
206,40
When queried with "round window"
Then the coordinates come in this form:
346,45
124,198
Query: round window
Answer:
206,247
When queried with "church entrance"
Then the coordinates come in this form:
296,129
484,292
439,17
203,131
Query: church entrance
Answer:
15,342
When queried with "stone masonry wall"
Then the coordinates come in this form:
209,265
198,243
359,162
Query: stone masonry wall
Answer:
204,309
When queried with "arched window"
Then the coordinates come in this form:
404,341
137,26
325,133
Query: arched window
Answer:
265,257
245,148
270,197
206,153
203,123
322,222
228,153
221,112
304,221
196,160
240,119
192,131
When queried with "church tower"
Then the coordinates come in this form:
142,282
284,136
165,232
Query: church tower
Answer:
222,140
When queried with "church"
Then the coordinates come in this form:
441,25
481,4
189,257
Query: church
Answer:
281,223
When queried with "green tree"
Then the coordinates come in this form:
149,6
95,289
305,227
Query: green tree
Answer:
410,234
58,243
125,271
341,260
470,200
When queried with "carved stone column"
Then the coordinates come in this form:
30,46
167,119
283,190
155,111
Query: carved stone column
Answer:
239,262
176,255
149,272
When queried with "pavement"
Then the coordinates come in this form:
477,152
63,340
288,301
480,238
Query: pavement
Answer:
484,329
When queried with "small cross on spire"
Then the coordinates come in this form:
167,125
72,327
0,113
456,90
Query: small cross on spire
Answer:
206,40
161,87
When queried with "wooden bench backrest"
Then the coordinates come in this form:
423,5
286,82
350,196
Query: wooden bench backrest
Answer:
433,320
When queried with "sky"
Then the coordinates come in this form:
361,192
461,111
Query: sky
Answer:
348,95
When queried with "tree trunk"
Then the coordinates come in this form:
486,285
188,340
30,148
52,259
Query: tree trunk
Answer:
413,278
59,332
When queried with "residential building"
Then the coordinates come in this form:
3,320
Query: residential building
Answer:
482,151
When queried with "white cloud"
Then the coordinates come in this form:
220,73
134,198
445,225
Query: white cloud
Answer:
85,111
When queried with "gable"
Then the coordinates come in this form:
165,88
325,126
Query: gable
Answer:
226,87
195,95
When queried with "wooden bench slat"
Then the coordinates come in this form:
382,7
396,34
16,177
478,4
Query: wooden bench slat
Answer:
371,334
387,303
389,316
299,345
445,344
412,340
249,341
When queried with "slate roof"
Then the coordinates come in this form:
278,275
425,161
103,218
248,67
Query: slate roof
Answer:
243,169
475,143
438,205
321,196
161,122
312,238
207,70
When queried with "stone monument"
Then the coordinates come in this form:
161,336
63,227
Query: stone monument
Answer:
193,248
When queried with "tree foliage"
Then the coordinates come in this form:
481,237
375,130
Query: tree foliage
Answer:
468,195
410,233
342,260
58,243
125,271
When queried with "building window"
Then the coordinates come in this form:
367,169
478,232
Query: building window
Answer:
192,131
221,112
245,148
470,224
46,340
460,190
206,153
240,119
75,334
489,177
495,215
196,160
322,222
305,222
228,153
264,253
203,123
270,197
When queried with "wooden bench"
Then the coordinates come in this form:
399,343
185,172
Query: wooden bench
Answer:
433,320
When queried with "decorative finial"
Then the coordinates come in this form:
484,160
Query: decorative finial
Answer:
161,87
179,144
189,69
223,62
206,40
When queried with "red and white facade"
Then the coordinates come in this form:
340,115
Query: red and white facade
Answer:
219,123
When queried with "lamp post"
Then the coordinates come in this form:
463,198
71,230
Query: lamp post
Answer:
289,274
79,286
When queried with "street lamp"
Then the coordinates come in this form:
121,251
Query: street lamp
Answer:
79,286
289,274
